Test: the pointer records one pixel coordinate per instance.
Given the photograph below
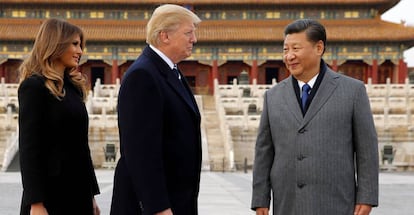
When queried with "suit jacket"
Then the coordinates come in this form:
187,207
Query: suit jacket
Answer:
160,141
322,163
55,160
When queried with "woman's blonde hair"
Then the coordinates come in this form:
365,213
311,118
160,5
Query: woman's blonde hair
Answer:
168,17
52,41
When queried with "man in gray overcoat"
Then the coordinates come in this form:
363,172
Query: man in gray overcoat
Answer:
317,149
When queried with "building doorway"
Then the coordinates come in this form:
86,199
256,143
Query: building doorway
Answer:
271,73
191,80
231,78
97,72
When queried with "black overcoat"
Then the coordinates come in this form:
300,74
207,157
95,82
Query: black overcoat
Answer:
160,141
55,160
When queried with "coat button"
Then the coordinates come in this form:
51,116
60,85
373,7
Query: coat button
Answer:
301,185
301,157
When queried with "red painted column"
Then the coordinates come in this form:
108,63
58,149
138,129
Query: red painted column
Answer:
335,65
375,71
114,72
402,71
369,73
255,72
214,75
2,71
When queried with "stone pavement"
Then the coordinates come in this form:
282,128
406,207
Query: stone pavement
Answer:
226,193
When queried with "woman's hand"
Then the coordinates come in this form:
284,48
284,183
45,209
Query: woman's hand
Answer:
96,210
165,212
38,209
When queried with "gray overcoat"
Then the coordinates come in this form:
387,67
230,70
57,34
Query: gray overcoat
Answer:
322,163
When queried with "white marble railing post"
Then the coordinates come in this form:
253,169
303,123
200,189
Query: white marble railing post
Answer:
89,102
97,88
2,87
228,142
9,117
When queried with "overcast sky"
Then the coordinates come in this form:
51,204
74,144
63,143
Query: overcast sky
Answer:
403,11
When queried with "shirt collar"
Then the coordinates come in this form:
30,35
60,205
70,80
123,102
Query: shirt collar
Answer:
163,56
311,82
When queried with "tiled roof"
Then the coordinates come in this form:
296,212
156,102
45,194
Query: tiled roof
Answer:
338,31
381,5
195,2
95,30
368,30
218,31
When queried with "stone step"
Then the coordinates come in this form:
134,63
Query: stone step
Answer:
213,133
4,136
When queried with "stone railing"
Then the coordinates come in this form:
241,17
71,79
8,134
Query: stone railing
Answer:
241,105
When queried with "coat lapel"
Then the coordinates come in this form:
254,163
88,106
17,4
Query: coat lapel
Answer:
173,80
328,85
290,99
183,90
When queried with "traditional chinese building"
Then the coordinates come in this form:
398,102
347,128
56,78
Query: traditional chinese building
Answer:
234,36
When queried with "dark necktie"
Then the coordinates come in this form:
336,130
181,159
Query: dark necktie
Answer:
176,72
305,94
182,88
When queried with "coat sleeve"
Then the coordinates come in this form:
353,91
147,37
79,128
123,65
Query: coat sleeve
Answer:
264,155
366,150
31,95
141,127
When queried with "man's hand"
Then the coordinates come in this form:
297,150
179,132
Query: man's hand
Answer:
262,211
362,209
